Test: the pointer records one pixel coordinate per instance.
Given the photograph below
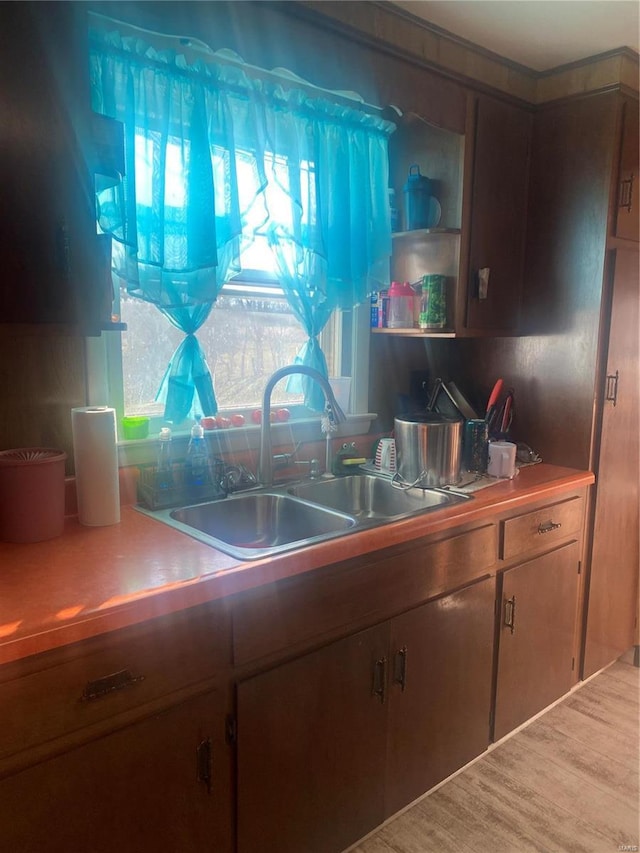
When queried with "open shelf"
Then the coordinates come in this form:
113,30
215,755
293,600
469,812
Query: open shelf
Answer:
416,333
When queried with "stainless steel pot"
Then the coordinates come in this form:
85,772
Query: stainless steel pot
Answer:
428,449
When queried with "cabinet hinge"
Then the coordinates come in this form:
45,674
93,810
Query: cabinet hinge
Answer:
573,664
231,730
579,567
492,722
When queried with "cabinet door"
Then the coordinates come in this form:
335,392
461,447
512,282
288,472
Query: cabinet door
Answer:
498,215
134,790
310,753
627,217
440,697
536,636
48,238
613,574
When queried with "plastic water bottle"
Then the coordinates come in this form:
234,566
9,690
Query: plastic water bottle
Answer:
197,463
164,470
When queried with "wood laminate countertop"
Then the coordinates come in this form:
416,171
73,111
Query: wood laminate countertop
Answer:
92,580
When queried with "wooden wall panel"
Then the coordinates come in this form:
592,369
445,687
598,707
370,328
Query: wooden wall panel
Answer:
42,377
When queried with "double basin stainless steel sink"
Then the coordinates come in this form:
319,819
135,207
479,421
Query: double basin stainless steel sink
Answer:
260,523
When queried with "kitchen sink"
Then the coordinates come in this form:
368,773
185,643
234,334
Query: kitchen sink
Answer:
267,521
250,526
366,496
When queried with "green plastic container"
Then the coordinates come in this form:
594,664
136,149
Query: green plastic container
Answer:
135,427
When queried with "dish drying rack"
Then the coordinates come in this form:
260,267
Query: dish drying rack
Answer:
158,491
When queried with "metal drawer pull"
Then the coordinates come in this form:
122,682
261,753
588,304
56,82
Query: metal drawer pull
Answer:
400,676
548,527
109,684
510,613
204,762
380,678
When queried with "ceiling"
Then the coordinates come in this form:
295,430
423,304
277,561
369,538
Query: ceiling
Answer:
539,34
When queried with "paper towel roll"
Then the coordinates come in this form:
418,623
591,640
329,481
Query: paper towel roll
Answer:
95,452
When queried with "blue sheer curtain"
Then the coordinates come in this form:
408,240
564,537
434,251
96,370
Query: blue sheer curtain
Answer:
329,224
175,219
314,178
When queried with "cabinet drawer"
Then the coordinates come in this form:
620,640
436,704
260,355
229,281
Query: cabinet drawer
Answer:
536,530
290,614
60,692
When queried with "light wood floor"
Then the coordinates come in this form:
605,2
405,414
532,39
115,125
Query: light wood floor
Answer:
566,783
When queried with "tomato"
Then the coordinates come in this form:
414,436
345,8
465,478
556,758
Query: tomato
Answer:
208,423
222,422
237,420
283,415
256,416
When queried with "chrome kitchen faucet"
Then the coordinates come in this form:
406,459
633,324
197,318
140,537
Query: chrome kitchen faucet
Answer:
265,459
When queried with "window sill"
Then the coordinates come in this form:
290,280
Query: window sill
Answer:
234,439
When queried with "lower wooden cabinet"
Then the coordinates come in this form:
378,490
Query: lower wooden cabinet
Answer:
329,740
311,750
440,695
333,742
537,635
162,784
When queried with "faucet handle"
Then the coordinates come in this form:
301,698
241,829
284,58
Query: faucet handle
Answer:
314,467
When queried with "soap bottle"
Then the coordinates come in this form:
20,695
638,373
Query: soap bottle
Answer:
197,462
164,472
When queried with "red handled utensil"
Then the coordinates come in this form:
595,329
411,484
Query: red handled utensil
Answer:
493,397
492,404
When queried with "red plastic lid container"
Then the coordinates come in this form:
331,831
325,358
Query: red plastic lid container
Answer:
400,305
31,494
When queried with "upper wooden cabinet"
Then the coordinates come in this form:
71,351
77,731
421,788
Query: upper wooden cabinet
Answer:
501,135
51,255
476,237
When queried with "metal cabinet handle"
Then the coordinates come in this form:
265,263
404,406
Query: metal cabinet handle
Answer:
204,763
611,391
400,674
109,684
380,679
626,194
510,613
548,526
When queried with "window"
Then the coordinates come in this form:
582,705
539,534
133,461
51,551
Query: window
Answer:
251,221
251,330
250,333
